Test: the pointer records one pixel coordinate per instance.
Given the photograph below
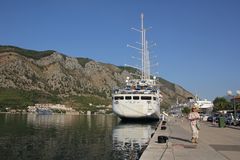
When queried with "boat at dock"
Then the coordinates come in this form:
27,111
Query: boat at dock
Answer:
205,105
140,98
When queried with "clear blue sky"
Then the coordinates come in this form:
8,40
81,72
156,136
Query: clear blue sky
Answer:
198,41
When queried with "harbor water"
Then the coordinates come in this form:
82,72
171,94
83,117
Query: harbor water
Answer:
71,137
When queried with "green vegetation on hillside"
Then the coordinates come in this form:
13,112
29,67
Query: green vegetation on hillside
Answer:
132,70
85,103
20,99
25,52
166,83
129,69
83,61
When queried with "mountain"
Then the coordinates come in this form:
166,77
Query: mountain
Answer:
28,77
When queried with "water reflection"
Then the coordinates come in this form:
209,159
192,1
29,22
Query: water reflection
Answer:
57,120
60,137
57,137
129,139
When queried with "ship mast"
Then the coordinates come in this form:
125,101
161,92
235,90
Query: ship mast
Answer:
143,45
145,66
144,52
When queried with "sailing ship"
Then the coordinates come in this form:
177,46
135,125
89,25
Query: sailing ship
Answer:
140,98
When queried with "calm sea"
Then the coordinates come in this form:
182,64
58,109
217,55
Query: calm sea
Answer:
71,137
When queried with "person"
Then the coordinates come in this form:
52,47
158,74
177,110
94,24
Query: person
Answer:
194,121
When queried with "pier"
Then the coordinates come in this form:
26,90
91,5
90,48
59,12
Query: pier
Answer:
214,143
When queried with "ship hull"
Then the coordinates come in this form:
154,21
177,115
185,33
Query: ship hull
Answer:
136,109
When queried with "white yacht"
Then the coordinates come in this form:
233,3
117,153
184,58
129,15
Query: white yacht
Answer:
140,99
205,105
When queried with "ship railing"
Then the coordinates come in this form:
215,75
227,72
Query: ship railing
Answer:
124,91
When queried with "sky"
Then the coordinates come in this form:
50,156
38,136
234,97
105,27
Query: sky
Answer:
198,41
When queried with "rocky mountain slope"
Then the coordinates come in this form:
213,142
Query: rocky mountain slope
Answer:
48,76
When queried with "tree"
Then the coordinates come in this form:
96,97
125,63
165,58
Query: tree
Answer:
185,110
220,103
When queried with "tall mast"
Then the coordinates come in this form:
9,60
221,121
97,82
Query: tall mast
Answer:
145,53
147,63
145,68
143,45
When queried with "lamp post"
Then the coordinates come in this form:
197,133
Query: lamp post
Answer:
229,93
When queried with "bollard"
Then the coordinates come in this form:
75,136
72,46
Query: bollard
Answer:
162,139
164,122
163,127
152,135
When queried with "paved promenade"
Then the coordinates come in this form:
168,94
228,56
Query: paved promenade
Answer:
214,144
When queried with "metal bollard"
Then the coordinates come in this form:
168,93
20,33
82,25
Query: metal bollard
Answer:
162,139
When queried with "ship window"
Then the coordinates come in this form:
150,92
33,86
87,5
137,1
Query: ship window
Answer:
118,97
128,97
136,97
146,98
154,98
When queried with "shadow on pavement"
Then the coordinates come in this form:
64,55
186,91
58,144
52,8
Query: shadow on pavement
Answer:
181,139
